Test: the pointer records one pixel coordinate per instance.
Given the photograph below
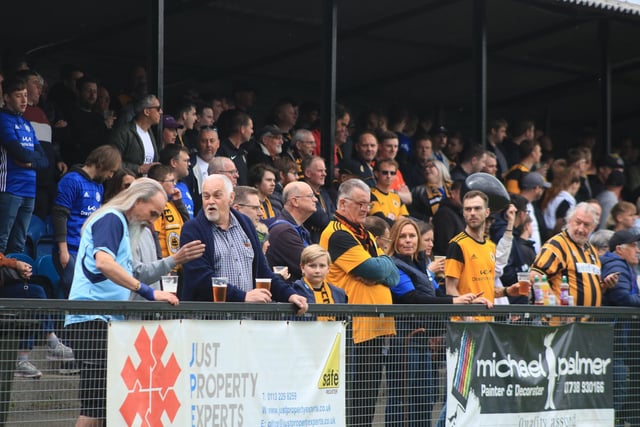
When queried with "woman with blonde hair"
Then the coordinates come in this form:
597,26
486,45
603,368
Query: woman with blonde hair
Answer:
412,381
427,197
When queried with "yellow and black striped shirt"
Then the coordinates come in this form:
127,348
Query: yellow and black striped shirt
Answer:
513,177
561,256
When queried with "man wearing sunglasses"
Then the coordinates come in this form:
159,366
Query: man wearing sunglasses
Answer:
135,141
385,201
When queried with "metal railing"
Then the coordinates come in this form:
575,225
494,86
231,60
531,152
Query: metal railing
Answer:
53,398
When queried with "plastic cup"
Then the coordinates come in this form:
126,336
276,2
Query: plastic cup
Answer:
438,258
169,284
524,284
263,284
219,286
277,269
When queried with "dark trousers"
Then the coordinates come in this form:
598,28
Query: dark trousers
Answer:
363,381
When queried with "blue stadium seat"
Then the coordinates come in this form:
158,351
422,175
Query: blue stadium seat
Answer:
36,231
24,258
45,267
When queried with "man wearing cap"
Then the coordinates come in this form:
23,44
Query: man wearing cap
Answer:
532,186
169,130
611,195
621,259
606,165
267,147
570,254
439,139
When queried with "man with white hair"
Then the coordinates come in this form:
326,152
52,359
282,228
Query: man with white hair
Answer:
104,272
570,253
232,251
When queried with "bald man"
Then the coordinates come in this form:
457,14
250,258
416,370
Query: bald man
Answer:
287,234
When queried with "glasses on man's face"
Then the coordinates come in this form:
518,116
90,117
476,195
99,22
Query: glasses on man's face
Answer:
231,172
254,207
173,181
310,196
155,107
390,173
361,205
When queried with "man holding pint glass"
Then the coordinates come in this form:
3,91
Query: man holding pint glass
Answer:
232,252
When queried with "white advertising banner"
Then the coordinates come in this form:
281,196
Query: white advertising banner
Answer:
226,373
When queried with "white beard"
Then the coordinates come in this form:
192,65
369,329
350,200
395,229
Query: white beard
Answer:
135,231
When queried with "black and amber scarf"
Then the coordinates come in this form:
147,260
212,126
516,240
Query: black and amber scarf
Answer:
360,233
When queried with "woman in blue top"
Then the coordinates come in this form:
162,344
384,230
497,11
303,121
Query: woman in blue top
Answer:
412,382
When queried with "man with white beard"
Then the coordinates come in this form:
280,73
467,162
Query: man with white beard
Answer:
232,250
104,272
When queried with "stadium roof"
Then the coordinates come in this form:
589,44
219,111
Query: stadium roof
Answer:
544,56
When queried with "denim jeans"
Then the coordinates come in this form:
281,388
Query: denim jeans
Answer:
14,222
66,274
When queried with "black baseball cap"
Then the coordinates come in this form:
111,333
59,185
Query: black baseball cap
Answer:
621,237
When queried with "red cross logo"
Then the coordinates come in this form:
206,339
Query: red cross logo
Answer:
151,384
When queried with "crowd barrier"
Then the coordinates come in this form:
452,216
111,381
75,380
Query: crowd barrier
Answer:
53,398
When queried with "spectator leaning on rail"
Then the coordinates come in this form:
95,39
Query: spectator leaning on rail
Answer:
621,260
570,253
411,380
366,275
104,272
314,263
232,251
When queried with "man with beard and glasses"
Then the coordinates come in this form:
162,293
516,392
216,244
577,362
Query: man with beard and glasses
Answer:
232,251
570,254
80,194
104,272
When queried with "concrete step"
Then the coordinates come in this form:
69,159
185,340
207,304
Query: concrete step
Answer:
51,399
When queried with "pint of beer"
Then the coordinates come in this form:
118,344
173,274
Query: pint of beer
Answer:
219,286
263,284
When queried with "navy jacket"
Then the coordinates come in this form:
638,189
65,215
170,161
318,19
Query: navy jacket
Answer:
339,297
622,293
197,273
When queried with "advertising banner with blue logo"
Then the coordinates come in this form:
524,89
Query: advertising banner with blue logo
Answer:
226,373
510,375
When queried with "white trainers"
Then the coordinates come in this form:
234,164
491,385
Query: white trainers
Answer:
60,352
25,369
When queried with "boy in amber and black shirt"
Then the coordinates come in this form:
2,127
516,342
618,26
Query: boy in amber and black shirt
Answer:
314,263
